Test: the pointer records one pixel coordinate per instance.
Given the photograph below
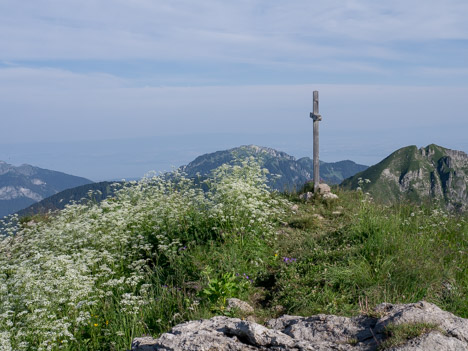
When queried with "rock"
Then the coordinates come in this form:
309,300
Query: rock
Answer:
330,196
220,333
240,305
432,341
423,312
251,319
323,189
316,333
145,343
294,208
316,215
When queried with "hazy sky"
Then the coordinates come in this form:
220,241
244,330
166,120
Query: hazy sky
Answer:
112,89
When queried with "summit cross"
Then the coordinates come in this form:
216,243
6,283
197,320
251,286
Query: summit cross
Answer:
316,118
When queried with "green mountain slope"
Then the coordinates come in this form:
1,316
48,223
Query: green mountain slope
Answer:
294,173
24,185
430,174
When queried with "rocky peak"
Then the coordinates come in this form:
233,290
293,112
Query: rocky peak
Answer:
269,151
429,174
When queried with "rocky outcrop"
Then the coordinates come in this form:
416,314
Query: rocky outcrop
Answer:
316,333
323,190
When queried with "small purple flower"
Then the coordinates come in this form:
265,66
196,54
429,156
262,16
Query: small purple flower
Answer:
289,260
247,277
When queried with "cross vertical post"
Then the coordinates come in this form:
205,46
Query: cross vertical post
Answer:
316,118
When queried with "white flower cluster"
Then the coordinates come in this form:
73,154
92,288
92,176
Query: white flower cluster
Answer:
242,201
97,260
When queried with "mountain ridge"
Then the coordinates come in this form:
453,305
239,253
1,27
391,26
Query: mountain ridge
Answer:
431,174
294,172
21,186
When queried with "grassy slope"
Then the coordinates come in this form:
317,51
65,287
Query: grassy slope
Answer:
363,251
357,252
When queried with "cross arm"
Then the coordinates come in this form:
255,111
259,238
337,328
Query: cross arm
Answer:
315,117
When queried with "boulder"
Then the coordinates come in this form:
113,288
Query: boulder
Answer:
323,189
236,304
316,333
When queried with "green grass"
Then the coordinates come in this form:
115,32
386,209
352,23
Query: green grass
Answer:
163,252
383,254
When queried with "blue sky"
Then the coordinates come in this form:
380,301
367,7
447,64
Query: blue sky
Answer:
112,89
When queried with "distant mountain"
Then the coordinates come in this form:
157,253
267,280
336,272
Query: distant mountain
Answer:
430,174
24,185
294,173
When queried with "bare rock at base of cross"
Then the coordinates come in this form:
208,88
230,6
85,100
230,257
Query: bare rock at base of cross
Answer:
323,189
316,333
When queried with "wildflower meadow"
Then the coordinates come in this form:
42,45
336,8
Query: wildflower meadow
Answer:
169,249
95,275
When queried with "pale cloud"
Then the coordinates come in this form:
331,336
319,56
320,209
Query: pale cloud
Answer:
211,29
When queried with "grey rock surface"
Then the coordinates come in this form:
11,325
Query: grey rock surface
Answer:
323,188
319,332
242,306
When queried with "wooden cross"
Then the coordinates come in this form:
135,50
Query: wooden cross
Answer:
317,118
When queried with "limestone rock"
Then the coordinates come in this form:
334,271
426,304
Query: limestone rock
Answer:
432,341
220,333
323,189
240,305
426,313
316,333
